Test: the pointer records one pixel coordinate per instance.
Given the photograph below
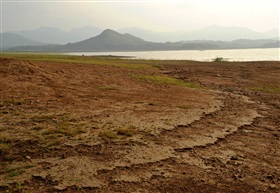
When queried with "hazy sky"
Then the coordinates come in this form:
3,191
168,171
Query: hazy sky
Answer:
259,15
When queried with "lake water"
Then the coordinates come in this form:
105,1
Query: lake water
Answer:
268,54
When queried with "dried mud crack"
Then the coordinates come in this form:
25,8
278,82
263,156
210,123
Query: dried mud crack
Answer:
75,127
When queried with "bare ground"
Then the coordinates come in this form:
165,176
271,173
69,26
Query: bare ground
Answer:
92,128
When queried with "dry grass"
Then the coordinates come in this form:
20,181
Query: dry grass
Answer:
120,133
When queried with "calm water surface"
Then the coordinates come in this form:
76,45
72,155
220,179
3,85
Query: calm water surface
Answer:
206,55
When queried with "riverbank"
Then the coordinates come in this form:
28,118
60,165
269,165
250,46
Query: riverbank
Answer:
104,124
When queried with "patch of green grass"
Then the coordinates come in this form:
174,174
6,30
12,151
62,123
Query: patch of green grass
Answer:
52,129
158,66
65,129
267,89
159,79
119,133
15,171
18,187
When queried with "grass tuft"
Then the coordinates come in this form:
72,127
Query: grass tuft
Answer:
120,133
15,171
127,132
108,136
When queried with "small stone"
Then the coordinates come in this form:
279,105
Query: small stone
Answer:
28,158
272,186
59,187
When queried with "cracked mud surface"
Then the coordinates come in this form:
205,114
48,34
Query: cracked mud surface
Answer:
93,128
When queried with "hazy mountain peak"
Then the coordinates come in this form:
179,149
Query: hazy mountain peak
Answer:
108,32
111,34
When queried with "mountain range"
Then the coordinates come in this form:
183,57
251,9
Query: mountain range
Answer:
51,35
214,32
110,40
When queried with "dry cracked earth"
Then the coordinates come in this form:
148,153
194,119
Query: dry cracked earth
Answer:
68,127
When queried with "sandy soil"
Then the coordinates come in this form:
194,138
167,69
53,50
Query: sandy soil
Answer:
92,128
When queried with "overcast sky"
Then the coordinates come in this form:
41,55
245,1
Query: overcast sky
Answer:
259,15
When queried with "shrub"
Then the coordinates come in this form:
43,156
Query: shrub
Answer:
219,59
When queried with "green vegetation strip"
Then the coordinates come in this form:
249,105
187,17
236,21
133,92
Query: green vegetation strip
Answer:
97,60
159,79
267,89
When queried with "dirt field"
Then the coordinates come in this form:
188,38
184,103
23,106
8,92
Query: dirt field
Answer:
152,126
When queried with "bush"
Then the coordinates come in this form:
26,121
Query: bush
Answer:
219,59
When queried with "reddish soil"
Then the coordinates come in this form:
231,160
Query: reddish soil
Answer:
90,128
